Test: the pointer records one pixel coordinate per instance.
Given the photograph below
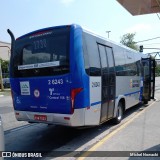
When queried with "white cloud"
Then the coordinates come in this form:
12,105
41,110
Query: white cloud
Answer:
67,2
139,28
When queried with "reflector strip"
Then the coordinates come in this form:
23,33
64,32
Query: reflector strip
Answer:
67,118
95,103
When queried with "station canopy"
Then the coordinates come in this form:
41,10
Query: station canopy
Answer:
139,7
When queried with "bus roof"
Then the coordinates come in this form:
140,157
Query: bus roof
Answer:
42,30
85,30
106,39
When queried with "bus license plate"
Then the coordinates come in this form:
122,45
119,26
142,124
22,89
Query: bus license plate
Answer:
40,117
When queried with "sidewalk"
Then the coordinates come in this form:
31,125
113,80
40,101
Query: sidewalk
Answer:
6,92
141,133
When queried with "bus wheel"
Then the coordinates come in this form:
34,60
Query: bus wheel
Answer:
119,114
145,102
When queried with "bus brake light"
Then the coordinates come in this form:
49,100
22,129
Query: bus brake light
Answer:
74,92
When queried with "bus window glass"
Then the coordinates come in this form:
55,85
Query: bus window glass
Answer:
119,61
146,72
30,58
110,59
42,54
131,68
85,54
93,56
139,68
103,58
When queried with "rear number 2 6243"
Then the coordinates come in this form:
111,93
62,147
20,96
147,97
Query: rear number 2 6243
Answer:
55,81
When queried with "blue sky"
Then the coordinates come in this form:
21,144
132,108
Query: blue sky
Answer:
23,16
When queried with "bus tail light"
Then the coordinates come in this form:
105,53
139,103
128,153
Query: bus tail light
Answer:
74,92
67,118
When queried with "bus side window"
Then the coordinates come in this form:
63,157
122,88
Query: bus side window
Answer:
130,64
91,51
146,73
119,61
85,54
139,68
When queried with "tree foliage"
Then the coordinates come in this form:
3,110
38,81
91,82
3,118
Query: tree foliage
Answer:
4,65
128,40
157,70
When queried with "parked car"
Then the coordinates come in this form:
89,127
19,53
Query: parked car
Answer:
6,83
1,136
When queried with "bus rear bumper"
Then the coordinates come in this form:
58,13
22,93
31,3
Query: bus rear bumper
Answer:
73,120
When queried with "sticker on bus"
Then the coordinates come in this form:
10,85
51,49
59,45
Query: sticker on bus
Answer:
25,88
39,65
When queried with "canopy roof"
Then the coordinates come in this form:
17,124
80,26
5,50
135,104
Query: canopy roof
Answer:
139,7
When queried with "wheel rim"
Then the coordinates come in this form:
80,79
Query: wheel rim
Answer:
119,113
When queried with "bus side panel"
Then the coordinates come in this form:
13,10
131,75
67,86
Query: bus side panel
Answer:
78,74
92,114
128,90
92,71
127,80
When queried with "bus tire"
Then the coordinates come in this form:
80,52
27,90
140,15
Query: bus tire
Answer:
119,114
145,102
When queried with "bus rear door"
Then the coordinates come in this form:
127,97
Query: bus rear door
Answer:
148,79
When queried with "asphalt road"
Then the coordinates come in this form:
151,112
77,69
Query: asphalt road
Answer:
21,136
7,113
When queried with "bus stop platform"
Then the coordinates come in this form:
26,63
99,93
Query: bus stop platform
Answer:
138,138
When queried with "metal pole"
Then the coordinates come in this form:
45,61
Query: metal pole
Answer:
108,33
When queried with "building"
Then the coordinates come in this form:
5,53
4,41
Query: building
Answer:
139,7
158,62
5,50
142,7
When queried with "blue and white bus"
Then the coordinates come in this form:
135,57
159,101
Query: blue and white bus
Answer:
66,75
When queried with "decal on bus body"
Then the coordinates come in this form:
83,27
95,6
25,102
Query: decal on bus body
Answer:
25,88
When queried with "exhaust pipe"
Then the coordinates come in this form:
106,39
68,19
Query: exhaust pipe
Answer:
12,41
12,51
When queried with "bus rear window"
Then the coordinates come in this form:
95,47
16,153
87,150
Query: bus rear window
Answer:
42,54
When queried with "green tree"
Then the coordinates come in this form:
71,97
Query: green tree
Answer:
128,40
157,70
5,66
